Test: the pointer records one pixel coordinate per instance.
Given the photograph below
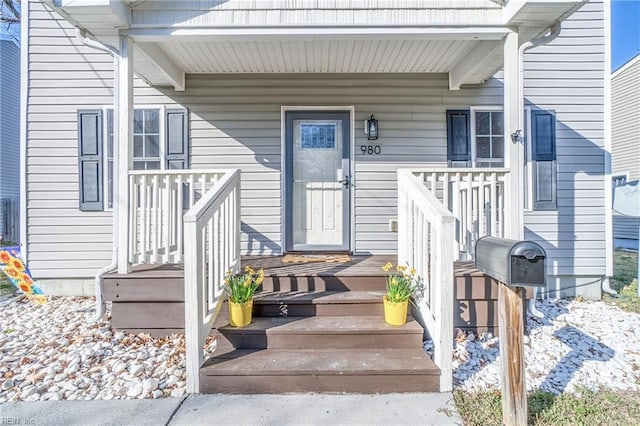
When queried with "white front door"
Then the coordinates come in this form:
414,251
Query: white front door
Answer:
317,180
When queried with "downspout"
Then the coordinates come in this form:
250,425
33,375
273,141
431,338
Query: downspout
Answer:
554,32
101,306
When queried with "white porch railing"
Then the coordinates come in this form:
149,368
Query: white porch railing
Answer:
425,241
212,247
158,200
476,198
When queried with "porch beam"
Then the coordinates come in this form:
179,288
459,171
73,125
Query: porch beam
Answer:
464,70
123,121
514,151
191,33
164,63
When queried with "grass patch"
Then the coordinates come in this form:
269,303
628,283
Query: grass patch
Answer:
625,270
604,407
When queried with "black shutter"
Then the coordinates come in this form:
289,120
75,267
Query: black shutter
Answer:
90,160
177,139
458,137
543,136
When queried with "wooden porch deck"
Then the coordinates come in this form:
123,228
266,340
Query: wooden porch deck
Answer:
150,299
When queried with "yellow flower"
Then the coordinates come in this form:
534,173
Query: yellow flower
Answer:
412,271
18,264
401,268
26,288
387,267
260,278
12,272
5,257
249,270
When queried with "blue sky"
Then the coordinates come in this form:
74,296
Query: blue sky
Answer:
625,31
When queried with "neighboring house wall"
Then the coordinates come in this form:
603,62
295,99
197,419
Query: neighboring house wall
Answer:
625,143
625,120
9,138
568,76
235,122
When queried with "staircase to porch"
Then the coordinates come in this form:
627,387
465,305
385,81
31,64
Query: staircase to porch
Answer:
311,311
319,328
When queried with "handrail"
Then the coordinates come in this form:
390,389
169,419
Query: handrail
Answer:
425,242
212,247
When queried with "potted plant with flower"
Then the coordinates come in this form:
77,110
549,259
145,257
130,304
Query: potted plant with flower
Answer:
241,288
401,284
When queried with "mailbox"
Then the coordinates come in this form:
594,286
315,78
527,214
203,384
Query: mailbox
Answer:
515,263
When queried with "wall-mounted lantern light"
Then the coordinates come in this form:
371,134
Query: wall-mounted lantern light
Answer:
371,128
516,136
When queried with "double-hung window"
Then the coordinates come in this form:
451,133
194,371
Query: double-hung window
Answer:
475,138
160,141
487,135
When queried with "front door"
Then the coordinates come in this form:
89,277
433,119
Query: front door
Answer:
317,181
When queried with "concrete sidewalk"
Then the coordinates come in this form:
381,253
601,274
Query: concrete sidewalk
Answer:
281,410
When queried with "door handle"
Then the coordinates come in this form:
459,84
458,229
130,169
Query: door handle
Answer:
346,182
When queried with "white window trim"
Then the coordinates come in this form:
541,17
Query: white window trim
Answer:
472,130
617,175
105,137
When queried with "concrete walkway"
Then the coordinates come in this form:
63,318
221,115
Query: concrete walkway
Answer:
281,410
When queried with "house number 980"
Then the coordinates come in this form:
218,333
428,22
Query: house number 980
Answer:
371,149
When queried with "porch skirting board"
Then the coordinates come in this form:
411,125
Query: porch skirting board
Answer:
84,287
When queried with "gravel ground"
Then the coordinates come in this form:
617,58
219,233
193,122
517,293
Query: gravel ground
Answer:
50,352
577,344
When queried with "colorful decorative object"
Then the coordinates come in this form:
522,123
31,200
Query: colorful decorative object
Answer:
13,266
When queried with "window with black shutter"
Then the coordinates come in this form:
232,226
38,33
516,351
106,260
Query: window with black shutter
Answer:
458,141
90,160
543,148
177,139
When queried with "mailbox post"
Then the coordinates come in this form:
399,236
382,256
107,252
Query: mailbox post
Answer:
514,264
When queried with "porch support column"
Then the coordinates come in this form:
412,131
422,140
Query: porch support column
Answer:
123,122
514,151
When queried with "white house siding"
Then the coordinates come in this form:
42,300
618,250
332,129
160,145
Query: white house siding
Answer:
9,137
625,120
568,76
235,122
316,12
625,140
64,76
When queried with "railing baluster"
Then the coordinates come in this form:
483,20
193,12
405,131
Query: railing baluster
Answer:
179,219
164,237
144,219
482,229
494,205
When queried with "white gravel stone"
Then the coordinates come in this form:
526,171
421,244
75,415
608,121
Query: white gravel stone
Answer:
149,385
576,344
177,393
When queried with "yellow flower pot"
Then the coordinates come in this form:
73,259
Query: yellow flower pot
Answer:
395,313
240,313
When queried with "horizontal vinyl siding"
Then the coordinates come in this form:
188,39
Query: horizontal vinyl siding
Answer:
63,242
625,227
567,76
625,122
9,120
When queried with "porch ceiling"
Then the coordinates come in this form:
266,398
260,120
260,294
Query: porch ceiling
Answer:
459,40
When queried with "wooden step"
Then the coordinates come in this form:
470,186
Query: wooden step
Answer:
320,332
321,282
320,370
305,304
